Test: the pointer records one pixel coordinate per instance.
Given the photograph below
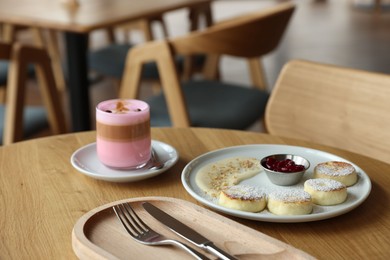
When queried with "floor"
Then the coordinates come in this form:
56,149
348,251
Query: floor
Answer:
340,32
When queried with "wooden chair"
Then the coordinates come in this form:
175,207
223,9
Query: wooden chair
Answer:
110,60
145,26
42,39
334,106
203,102
18,121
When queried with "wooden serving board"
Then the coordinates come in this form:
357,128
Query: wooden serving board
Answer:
99,234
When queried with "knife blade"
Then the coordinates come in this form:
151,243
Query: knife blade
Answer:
186,232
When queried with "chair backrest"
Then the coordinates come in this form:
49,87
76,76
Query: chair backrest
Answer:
339,107
247,36
20,56
250,35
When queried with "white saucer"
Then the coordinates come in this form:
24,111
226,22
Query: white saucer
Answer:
86,161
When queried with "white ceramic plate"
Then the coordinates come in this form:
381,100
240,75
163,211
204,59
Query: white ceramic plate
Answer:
356,193
86,161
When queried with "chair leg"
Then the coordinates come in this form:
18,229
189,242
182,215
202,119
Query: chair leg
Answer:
55,54
196,13
3,37
211,67
51,43
13,123
110,33
49,91
163,26
145,26
3,94
8,33
257,73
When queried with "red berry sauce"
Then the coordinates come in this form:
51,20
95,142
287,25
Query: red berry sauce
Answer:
286,165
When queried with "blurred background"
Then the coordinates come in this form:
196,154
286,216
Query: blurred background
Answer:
341,32
351,33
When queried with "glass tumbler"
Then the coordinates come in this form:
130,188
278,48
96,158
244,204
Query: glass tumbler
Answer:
123,139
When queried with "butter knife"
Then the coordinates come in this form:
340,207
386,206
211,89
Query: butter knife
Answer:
186,232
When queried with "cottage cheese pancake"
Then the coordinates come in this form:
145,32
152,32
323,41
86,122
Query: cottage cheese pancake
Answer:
290,202
339,171
326,192
215,177
243,197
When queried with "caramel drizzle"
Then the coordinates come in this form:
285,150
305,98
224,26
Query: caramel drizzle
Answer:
120,133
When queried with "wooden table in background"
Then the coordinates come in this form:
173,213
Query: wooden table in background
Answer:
77,22
42,196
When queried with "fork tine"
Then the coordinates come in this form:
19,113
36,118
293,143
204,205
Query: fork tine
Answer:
130,220
137,221
124,220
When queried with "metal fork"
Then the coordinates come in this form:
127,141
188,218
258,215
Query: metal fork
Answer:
142,233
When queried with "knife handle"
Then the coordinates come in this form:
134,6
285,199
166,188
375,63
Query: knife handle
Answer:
194,253
219,252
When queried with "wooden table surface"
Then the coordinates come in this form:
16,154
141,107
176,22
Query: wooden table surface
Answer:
42,196
89,15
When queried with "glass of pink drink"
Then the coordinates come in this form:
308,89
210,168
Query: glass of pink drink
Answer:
123,133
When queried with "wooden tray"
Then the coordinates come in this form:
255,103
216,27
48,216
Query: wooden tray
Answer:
99,235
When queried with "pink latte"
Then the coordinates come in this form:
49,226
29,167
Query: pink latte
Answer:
123,133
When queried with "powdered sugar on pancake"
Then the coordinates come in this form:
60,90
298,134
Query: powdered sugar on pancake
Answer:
244,192
290,195
325,184
335,168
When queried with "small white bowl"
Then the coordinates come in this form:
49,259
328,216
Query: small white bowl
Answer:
285,178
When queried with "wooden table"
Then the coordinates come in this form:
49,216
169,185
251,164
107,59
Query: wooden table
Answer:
42,196
77,22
